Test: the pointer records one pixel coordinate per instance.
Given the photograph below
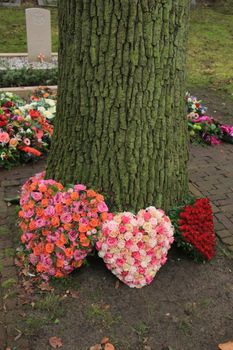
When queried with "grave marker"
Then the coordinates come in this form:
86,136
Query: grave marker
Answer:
38,25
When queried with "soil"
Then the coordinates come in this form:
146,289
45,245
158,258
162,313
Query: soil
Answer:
189,306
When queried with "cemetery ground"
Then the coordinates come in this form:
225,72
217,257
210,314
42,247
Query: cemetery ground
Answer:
187,307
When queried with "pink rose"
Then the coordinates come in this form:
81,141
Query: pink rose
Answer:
79,187
125,219
136,255
111,241
147,216
4,137
102,207
66,218
50,211
129,243
37,196
120,261
29,213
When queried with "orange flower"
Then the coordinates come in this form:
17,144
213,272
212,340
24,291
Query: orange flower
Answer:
63,238
84,240
67,227
31,150
94,222
55,221
32,225
23,226
33,186
59,243
77,263
99,198
76,217
59,274
58,208
42,188
31,204
44,202
39,211
104,216
74,196
91,193
37,250
60,186
69,252
49,247
83,228
39,267
20,214
68,201
45,232
60,263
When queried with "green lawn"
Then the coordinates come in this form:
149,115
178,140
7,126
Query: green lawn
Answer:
13,30
210,54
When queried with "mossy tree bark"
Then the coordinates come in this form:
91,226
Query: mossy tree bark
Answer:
120,125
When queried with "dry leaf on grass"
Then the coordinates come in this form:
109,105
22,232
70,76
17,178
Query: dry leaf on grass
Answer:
55,342
96,347
104,340
109,346
226,346
74,294
45,286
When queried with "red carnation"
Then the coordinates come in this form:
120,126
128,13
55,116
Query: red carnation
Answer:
197,228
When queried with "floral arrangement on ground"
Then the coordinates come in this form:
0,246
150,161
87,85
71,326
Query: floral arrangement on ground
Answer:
203,128
25,128
194,228
62,226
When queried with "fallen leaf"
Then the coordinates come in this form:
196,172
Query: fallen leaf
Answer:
226,346
104,340
109,346
45,286
117,285
96,347
74,294
55,342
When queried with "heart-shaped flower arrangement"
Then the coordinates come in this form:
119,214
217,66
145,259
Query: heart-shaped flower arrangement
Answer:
195,229
134,247
59,225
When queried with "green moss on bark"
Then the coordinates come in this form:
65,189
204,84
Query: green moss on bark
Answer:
120,125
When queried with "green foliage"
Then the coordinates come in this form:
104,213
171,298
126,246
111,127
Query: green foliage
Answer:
28,77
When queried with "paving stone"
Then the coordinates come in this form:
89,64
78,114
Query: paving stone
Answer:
228,240
223,234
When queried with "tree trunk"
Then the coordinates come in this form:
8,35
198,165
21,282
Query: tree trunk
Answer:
121,125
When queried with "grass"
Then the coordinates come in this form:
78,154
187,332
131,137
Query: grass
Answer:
210,50
13,24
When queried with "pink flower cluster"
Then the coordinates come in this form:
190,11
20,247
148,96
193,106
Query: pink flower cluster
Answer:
134,247
59,226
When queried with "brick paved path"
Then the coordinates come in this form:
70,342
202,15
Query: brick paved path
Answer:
211,173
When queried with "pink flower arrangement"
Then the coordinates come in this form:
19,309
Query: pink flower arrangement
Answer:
59,226
134,247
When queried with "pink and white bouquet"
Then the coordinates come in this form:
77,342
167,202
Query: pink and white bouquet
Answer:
134,247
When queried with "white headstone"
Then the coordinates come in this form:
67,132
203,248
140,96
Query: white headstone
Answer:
38,25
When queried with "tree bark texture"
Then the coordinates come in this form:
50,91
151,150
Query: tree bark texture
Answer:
121,125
